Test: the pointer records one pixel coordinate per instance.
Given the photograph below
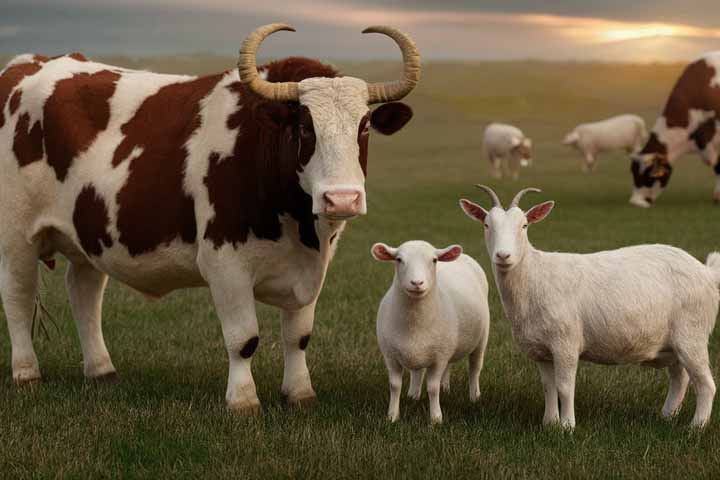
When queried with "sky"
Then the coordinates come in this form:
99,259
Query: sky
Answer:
581,30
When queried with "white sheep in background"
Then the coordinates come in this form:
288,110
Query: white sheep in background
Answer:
651,305
507,148
626,132
434,313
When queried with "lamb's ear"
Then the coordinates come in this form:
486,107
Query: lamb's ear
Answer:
473,210
515,141
539,212
449,254
527,142
383,253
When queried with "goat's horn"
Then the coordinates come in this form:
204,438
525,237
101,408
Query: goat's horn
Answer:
492,194
516,201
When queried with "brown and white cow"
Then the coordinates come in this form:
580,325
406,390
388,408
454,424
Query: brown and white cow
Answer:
688,123
241,181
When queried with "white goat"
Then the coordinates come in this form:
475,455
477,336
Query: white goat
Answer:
507,148
432,314
652,305
626,132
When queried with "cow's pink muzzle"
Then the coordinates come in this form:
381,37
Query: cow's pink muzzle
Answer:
343,203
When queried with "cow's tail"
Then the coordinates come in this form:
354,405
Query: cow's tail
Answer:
713,263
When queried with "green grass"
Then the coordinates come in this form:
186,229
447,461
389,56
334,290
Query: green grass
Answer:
167,417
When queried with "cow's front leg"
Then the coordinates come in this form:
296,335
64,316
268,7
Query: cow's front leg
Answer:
296,329
716,192
235,304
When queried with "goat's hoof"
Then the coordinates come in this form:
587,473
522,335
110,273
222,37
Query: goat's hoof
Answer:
109,378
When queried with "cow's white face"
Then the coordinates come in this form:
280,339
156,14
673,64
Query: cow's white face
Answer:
334,176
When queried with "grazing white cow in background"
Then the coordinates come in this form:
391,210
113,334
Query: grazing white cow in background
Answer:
623,132
237,181
434,313
507,149
651,305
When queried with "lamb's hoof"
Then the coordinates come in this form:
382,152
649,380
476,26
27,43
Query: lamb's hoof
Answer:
252,410
436,420
475,396
109,378
305,401
27,382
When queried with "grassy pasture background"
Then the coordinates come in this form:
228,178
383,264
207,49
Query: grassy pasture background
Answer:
167,417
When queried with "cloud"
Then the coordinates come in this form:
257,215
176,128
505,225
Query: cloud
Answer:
10,31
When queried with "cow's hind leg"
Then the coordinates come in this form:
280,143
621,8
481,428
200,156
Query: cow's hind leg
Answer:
678,386
296,328
18,286
85,286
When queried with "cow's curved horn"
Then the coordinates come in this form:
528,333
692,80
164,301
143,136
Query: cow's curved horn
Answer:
516,201
395,90
247,68
492,194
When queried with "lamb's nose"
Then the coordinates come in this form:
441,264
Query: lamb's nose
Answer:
502,256
417,283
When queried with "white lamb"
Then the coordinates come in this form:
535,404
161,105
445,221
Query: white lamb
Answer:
432,314
626,132
507,148
652,305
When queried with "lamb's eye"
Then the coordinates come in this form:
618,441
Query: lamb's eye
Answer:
398,260
434,260
486,225
525,226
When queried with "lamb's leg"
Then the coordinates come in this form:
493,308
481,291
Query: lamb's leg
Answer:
696,361
565,371
678,386
434,378
445,383
416,381
589,162
395,373
547,375
18,286
476,364
496,167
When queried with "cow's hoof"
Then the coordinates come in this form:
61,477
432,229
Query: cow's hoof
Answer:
109,378
253,410
306,400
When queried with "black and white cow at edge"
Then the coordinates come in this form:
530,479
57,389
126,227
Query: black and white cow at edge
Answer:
689,123
241,181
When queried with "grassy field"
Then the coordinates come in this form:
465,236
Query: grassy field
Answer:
167,417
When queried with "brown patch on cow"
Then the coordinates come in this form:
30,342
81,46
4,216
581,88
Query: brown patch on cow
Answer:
28,142
15,101
40,58
249,349
692,91
304,340
654,145
91,221
78,56
153,206
363,139
76,112
258,183
704,134
10,78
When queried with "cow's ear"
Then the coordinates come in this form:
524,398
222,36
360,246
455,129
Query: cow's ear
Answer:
388,118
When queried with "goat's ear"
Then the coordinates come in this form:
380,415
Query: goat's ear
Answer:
473,210
539,212
383,253
449,254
